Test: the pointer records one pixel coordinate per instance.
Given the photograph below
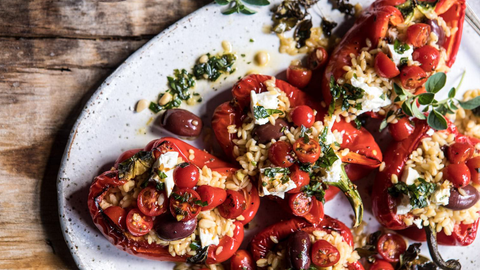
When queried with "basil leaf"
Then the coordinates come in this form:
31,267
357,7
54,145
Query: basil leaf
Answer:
426,98
398,90
407,107
416,111
271,172
399,47
437,121
419,192
436,82
154,107
470,104
452,92
257,2
222,2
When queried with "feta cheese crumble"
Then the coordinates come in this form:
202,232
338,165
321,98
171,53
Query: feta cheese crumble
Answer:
267,100
404,207
276,186
409,176
441,196
396,57
166,163
373,98
206,238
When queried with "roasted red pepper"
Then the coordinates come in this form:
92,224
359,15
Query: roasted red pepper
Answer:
384,205
138,246
262,243
373,24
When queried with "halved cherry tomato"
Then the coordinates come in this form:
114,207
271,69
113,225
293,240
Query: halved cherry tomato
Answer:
390,246
412,77
316,214
307,152
186,175
324,254
401,130
117,214
213,196
298,76
458,174
300,204
427,56
138,224
241,260
185,204
302,115
474,166
459,152
418,34
385,67
280,154
300,178
381,265
233,206
152,202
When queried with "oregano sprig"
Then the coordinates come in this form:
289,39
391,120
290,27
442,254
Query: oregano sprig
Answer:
436,109
238,6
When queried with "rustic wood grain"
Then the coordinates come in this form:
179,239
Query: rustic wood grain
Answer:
53,55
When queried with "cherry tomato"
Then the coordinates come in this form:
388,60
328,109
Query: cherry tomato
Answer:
213,196
300,178
418,34
307,152
302,115
138,224
280,154
381,265
186,175
390,246
117,214
402,129
316,214
385,67
233,206
317,59
412,77
298,76
458,174
427,56
300,204
241,260
185,204
152,202
324,254
474,166
459,152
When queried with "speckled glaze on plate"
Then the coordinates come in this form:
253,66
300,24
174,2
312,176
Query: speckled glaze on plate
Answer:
108,124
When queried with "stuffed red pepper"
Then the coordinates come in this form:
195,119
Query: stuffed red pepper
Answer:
172,202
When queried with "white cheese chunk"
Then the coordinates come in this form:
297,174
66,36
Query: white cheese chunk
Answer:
404,207
374,97
409,176
396,57
268,100
329,122
418,222
166,163
334,173
279,190
441,196
206,238
430,132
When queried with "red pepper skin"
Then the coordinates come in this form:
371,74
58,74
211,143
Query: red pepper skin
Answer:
262,242
384,205
242,260
138,245
252,202
373,24
363,148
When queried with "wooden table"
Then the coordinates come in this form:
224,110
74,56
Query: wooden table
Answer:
53,56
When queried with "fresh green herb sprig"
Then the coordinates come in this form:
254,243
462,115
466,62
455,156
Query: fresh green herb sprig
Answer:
316,189
272,172
344,93
329,156
214,67
400,48
436,109
237,6
259,112
418,192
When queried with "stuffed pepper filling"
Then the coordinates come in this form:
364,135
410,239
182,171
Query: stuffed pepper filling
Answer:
438,186
169,201
408,55
468,121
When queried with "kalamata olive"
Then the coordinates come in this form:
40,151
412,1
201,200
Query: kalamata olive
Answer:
182,123
459,202
169,229
299,250
438,30
267,132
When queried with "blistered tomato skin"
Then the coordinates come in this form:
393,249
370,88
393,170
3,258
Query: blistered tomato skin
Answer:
298,76
458,174
381,265
428,57
412,77
459,152
186,175
303,116
401,130
474,166
300,178
152,202
385,67
418,34
213,196
233,206
280,154
241,260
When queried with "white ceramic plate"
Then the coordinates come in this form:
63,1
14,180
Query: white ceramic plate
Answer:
108,124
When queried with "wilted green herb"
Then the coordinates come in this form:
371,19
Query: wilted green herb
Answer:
214,67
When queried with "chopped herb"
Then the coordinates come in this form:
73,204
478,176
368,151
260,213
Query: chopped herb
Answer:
242,55
259,112
358,123
400,48
323,137
251,40
327,26
182,198
264,184
180,83
316,189
183,164
403,61
136,165
254,163
200,257
162,175
344,93
329,156
304,134
271,172
214,67
195,245
201,203
418,192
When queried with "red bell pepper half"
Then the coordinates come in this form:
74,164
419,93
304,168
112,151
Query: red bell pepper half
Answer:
364,154
262,243
122,239
373,24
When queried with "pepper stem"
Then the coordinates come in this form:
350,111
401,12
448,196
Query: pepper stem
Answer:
435,254
350,190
